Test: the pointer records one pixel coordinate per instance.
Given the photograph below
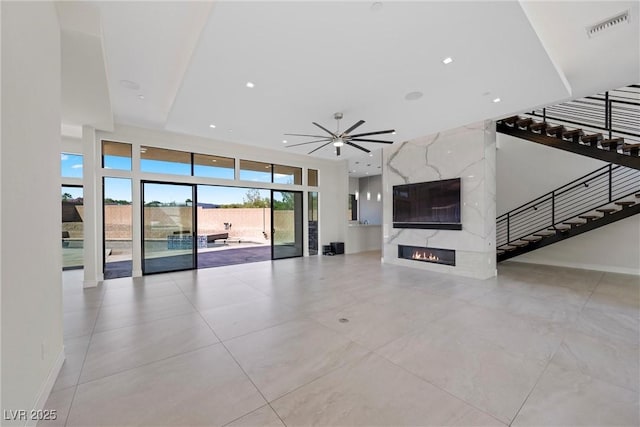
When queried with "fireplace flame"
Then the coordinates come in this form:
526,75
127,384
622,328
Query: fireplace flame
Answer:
425,256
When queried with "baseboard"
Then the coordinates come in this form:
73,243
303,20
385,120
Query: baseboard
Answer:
89,283
596,267
43,395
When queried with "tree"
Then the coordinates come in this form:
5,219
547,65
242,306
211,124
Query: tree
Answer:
66,196
253,199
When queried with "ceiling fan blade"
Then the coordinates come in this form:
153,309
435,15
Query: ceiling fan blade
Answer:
326,130
338,151
371,140
310,142
322,146
359,123
302,134
357,146
380,132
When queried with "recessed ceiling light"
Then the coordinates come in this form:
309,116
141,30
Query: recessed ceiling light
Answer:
129,84
496,100
250,84
140,96
412,96
393,133
212,126
376,6
447,60
284,141
370,155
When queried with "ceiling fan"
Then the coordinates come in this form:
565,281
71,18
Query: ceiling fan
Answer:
339,139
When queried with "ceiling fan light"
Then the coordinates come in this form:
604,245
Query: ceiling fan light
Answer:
338,142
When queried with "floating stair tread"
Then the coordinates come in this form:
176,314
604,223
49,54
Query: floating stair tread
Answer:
630,147
606,210
554,129
574,222
533,238
559,227
613,141
510,120
538,126
590,217
500,252
507,247
519,244
625,203
524,122
544,233
572,133
592,138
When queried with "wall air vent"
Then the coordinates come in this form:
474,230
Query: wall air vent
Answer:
608,24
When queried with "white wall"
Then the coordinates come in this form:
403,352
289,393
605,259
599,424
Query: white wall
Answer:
526,170
371,210
468,153
32,350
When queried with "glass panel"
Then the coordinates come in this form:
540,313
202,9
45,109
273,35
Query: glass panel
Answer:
233,225
161,160
167,228
287,175
71,165
116,155
255,171
213,166
72,227
287,224
313,222
312,177
117,222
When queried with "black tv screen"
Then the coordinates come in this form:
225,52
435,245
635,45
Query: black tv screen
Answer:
434,204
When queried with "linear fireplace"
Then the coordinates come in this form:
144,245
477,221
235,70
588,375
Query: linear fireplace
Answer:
433,255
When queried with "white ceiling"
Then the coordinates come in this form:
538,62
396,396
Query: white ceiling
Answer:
311,59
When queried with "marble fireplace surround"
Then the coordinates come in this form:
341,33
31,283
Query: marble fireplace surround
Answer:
468,153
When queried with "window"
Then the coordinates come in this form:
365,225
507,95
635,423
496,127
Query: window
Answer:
116,155
161,160
312,177
287,175
213,166
71,165
255,171
72,227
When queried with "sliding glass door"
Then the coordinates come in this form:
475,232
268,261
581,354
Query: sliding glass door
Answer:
168,227
286,217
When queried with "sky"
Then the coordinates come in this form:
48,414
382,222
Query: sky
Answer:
120,188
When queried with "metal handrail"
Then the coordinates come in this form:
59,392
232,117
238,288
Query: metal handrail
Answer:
594,190
612,112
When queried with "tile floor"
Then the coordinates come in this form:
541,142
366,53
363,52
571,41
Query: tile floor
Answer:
263,344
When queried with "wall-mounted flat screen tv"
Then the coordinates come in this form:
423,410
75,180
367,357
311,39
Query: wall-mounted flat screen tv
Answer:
434,204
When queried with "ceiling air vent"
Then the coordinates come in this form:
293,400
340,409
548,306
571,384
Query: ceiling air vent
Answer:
608,24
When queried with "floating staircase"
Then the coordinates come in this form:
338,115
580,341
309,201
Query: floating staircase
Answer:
604,126
606,195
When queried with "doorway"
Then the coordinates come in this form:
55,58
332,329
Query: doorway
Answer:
286,224
168,236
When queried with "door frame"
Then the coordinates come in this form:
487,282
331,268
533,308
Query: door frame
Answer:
301,193
194,223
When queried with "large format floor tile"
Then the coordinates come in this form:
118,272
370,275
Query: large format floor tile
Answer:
374,392
146,310
75,350
202,388
287,356
469,367
119,349
536,346
569,398
234,320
